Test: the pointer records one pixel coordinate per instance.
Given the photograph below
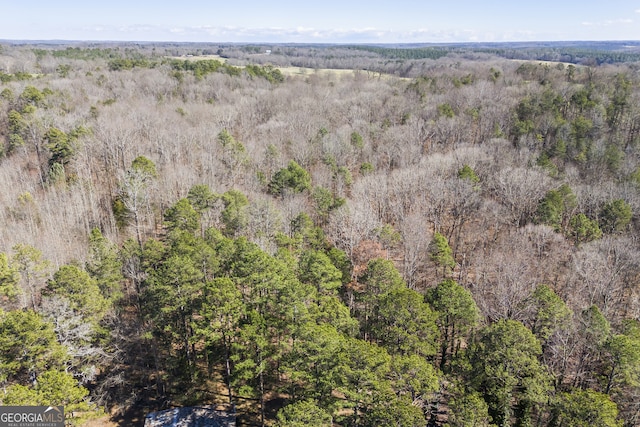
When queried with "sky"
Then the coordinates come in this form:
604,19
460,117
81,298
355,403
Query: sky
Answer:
326,21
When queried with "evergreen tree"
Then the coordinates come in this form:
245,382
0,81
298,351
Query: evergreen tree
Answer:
80,289
60,145
294,177
315,363
182,216
412,376
468,410
622,359
33,269
615,216
554,207
441,253
585,408
221,314
469,174
457,315
506,370
315,268
201,197
583,229
550,313
363,378
380,277
234,215
9,279
332,311
55,388
28,347
104,266
404,324
303,413
145,167
253,357
170,299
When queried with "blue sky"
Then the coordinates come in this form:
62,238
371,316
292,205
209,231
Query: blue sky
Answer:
327,21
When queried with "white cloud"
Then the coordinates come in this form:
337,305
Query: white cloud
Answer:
299,34
618,21
302,34
208,33
608,22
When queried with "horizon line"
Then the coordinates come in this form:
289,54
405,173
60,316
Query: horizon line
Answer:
263,42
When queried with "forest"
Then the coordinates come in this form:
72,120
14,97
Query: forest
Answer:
321,235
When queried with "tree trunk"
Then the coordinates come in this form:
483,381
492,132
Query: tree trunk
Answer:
610,380
227,357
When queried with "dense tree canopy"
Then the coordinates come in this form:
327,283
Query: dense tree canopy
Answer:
322,235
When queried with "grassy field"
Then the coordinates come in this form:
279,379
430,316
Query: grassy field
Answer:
302,71
198,58
287,71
